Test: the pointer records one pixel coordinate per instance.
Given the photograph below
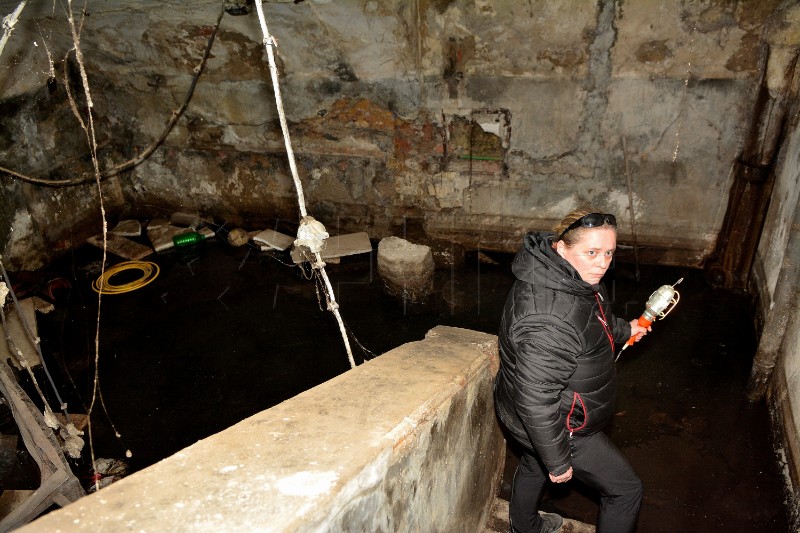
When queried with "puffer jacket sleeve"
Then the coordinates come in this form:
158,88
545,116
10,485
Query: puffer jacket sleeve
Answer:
546,358
622,330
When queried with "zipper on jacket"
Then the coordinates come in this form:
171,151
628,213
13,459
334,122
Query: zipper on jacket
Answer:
604,322
575,399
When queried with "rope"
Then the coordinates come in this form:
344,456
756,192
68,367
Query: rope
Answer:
103,285
305,220
9,21
269,44
91,139
311,234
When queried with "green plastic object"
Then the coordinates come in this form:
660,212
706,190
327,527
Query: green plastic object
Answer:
187,239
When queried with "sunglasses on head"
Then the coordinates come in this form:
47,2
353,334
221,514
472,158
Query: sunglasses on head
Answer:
592,220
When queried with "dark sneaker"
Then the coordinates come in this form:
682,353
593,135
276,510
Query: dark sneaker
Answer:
551,522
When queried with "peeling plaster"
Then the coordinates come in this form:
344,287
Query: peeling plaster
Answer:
235,183
24,240
448,188
566,72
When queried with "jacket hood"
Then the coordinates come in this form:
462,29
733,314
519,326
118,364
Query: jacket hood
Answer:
538,263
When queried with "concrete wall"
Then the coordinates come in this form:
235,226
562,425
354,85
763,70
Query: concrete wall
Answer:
778,225
405,442
776,283
474,120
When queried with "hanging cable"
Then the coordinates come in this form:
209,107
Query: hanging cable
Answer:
683,95
630,206
127,165
305,221
91,139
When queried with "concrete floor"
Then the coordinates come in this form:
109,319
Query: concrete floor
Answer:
498,521
225,332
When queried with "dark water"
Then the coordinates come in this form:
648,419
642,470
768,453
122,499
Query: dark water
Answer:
225,332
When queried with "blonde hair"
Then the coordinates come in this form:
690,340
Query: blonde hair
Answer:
572,238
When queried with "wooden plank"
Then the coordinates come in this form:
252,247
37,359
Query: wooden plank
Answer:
18,334
13,499
337,247
161,236
59,485
273,239
128,228
121,246
79,420
186,220
349,244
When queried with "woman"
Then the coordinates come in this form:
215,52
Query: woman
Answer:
556,386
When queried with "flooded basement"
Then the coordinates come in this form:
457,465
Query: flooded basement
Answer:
224,332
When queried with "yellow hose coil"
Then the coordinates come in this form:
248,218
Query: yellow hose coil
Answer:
103,284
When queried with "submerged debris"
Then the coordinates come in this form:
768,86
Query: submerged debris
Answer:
107,471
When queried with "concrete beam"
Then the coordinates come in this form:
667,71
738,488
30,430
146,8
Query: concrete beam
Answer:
405,442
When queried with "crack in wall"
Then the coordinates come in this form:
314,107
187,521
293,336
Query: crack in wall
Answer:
599,76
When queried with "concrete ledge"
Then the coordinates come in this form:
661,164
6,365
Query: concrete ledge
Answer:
784,438
405,442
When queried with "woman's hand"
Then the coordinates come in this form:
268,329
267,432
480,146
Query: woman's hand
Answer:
563,478
637,331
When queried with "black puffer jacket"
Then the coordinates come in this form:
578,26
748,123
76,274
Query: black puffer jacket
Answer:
556,356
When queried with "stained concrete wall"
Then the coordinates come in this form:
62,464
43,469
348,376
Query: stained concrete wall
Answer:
405,442
473,120
778,225
777,281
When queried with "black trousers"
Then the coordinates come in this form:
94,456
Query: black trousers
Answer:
597,463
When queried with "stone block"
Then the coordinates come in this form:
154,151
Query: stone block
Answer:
406,268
